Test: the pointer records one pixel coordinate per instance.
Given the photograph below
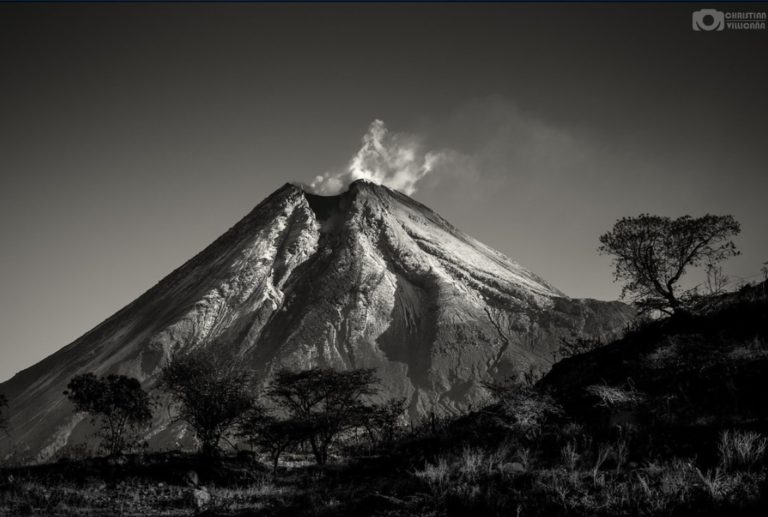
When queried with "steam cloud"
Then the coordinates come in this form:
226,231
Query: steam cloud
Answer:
395,160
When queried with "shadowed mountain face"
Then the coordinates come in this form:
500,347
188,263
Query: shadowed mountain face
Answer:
369,278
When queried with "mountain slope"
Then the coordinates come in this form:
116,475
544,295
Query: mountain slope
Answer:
367,278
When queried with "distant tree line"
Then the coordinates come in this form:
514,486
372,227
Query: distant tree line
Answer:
312,407
219,401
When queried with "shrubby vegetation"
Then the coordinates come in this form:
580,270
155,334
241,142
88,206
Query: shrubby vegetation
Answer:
116,403
316,407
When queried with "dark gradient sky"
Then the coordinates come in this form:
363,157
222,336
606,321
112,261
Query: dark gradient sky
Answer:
133,135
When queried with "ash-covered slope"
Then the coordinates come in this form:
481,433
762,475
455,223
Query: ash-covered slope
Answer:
369,278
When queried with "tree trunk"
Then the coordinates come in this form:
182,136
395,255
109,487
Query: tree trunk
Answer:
316,452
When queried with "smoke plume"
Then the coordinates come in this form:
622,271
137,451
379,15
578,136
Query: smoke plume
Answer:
395,160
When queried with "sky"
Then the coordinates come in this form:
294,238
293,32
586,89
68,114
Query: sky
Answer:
131,136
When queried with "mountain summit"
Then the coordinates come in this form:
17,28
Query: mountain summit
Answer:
367,278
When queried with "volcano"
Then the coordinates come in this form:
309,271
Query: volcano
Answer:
368,278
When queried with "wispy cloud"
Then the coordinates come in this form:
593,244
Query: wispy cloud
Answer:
397,160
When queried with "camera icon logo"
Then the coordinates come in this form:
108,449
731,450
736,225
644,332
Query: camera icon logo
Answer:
708,20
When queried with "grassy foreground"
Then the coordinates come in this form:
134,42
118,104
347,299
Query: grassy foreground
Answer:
428,475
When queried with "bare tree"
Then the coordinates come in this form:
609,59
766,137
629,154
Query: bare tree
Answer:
212,395
116,402
651,254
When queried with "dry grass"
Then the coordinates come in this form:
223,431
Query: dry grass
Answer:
674,487
604,452
713,481
435,475
612,396
470,481
36,497
741,449
252,498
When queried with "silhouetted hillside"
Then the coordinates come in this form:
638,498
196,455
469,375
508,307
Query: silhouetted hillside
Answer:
679,380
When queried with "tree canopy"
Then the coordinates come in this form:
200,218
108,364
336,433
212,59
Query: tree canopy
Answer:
324,403
271,434
212,394
116,401
652,253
